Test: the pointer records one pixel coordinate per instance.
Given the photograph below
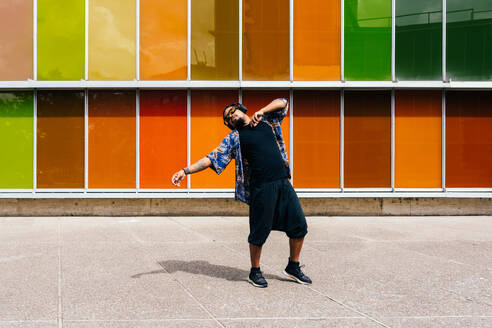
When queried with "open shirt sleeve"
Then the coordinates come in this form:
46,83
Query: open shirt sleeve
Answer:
278,115
222,155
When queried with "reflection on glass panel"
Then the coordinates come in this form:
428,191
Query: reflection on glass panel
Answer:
316,40
60,139
469,139
367,40
61,40
367,139
214,39
266,40
16,139
418,40
163,39
16,40
112,39
112,139
469,40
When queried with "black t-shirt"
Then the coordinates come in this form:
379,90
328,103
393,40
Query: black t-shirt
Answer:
260,149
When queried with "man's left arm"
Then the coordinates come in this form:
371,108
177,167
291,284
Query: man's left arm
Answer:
276,110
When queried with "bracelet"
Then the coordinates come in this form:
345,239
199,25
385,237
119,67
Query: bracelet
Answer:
186,171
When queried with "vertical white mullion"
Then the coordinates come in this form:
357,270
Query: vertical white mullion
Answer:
86,49
291,135
393,140
443,141
188,48
342,131
240,96
188,136
35,40
240,37
444,20
86,139
34,140
291,41
342,41
393,40
137,42
137,159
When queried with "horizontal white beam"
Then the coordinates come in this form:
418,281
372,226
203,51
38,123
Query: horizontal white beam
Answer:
312,194
31,84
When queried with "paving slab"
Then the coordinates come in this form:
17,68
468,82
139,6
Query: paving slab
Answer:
206,323
28,282
99,282
29,230
305,323
439,322
28,324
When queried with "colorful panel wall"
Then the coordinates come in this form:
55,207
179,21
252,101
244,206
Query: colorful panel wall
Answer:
367,139
316,40
112,39
112,139
16,30
468,139
255,100
469,40
207,132
60,139
163,137
163,39
16,140
266,40
316,139
61,40
367,40
214,40
418,139
418,48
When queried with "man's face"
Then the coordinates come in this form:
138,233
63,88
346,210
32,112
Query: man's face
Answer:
236,119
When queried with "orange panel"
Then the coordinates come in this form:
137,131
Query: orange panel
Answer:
317,40
207,132
255,100
162,137
112,139
469,139
418,134
163,39
316,139
266,40
367,144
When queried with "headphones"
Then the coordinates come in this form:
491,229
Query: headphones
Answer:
237,106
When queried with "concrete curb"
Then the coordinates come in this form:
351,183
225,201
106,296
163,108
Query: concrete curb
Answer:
228,207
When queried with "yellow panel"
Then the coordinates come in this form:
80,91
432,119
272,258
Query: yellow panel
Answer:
112,39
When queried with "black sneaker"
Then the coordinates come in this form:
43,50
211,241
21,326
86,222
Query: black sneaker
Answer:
256,278
293,271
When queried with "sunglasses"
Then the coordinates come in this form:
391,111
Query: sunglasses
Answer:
228,116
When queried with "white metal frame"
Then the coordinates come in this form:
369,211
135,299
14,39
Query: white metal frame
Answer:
189,85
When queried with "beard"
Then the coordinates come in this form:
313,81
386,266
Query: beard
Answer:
239,123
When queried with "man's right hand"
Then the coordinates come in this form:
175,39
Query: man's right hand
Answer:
178,177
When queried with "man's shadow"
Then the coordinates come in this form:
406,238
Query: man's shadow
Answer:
206,269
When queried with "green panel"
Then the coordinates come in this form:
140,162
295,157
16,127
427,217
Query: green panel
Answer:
469,40
16,139
418,45
367,40
61,39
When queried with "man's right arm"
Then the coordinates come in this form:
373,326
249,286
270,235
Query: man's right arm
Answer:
198,166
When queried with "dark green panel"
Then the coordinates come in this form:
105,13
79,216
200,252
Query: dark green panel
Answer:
469,40
418,48
367,54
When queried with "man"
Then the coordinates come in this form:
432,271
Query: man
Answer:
262,173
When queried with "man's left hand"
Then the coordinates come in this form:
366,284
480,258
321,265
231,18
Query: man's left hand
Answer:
256,118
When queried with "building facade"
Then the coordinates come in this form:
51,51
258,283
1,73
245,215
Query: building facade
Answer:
108,98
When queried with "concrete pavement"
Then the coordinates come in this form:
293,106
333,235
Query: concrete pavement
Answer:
192,271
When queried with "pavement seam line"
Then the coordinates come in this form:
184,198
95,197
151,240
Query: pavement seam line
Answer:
324,295
144,244
60,307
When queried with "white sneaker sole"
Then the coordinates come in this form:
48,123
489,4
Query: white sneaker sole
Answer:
296,279
256,285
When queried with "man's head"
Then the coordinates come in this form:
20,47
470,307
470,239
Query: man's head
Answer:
234,115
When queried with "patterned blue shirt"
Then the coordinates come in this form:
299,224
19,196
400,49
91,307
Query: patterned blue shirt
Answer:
230,149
